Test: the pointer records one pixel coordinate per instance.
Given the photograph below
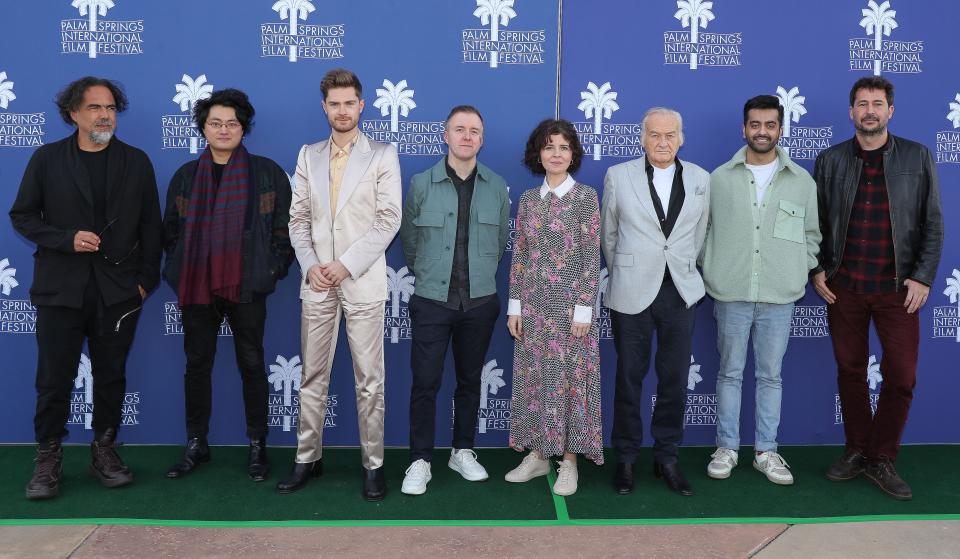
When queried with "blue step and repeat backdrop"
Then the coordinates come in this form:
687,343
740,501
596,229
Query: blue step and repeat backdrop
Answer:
598,63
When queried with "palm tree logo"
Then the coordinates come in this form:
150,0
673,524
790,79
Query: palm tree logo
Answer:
8,278
85,380
394,100
189,91
494,13
693,375
491,381
952,291
598,103
91,8
6,91
601,290
874,377
293,10
400,285
878,20
285,375
953,116
694,14
793,108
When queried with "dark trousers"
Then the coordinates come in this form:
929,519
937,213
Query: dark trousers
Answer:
201,325
899,332
433,328
672,321
60,333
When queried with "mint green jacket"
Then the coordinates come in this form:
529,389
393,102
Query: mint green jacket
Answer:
428,230
760,254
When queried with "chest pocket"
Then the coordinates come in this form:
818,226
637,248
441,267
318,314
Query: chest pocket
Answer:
789,223
489,240
430,229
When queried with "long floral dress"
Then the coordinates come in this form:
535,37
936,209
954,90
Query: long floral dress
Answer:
556,376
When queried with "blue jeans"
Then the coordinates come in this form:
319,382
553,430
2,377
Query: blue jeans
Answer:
769,324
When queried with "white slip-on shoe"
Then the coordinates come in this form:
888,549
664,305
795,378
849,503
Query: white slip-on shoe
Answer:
773,466
416,478
722,463
464,462
532,466
567,476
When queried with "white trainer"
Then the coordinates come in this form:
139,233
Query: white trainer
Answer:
464,462
532,466
416,478
724,460
774,467
567,476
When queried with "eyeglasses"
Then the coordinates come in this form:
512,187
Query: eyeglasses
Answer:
115,261
231,125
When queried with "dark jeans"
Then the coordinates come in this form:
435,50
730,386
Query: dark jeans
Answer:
672,321
60,333
849,318
201,325
433,327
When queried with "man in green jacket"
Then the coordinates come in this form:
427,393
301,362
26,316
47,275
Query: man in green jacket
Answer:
762,240
455,226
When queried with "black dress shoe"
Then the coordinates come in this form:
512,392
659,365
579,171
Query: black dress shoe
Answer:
672,475
623,479
884,475
374,484
299,476
849,466
258,468
196,452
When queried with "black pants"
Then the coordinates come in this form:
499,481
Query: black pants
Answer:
672,321
60,333
201,325
433,328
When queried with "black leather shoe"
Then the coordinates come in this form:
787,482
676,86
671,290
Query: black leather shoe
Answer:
45,482
105,463
849,466
884,475
672,475
195,453
258,468
299,476
623,479
374,484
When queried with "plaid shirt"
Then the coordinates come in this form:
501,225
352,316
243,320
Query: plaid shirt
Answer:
868,264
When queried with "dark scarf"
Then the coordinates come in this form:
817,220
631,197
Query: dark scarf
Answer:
213,231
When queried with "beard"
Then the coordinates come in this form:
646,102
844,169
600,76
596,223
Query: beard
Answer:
101,138
880,129
771,145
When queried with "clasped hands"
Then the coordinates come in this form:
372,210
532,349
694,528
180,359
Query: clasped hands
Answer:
321,277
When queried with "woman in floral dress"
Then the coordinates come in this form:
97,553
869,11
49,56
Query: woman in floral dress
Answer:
553,289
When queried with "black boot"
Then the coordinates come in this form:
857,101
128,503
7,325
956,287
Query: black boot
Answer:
848,466
299,476
882,473
106,464
374,484
45,482
623,480
258,468
673,477
196,452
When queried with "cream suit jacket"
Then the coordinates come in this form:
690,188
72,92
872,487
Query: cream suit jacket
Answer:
367,217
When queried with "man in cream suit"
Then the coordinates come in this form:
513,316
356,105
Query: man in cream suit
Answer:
345,212
654,215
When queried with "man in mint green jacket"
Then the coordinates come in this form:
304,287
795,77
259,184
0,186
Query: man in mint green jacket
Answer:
762,240
455,226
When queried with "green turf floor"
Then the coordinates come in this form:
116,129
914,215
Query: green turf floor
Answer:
219,492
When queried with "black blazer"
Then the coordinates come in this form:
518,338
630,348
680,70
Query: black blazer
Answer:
55,201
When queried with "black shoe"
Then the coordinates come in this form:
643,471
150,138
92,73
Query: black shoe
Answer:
849,466
623,479
45,482
258,468
105,463
672,475
299,475
882,473
374,484
196,452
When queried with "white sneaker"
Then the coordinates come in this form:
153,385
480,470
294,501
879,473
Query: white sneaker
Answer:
464,462
531,467
724,460
774,467
567,476
418,474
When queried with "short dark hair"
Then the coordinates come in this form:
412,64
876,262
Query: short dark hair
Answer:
233,98
340,77
763,102
463,109
70,97
540,137
872,82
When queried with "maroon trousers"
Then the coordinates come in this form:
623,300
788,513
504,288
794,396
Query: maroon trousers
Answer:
849,318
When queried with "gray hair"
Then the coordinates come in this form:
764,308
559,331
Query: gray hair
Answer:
662,111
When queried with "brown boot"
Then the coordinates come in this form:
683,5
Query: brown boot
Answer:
106,464
45,483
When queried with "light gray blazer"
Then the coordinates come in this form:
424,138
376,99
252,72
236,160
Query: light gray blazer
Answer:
634,245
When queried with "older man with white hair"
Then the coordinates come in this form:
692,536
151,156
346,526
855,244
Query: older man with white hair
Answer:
654,220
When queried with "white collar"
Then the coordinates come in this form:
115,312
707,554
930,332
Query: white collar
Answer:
559,191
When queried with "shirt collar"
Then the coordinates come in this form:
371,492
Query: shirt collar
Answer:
335,149
861,153
649,166
452,174
560,190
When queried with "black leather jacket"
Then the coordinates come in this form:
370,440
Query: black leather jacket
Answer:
915,216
